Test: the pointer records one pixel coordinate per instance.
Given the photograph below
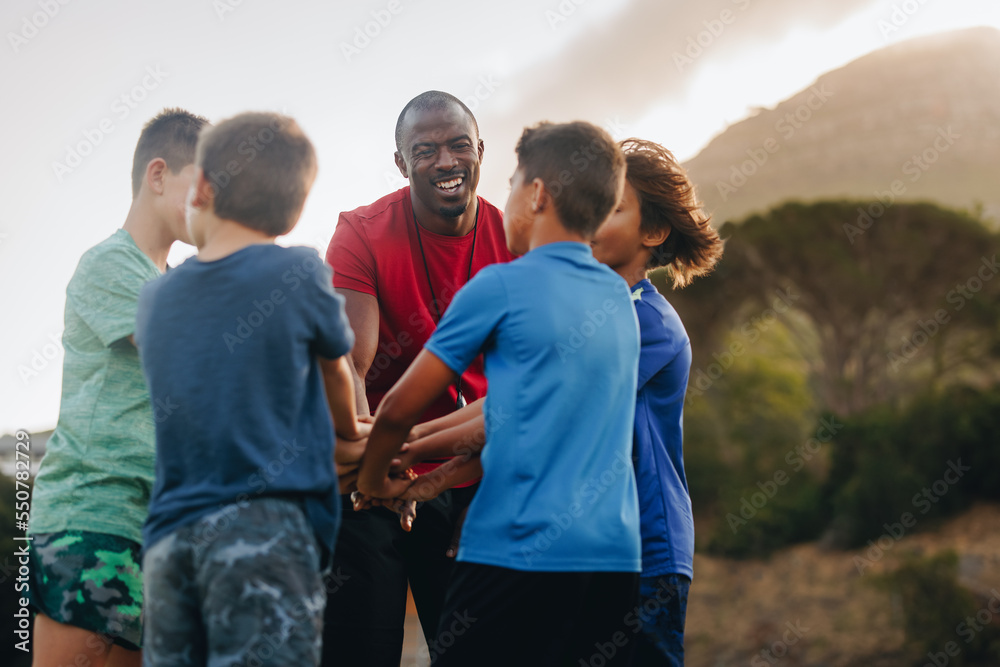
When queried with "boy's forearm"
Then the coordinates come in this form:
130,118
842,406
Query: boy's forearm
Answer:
398,412
470,411
446,476
387,436
339,383
461,439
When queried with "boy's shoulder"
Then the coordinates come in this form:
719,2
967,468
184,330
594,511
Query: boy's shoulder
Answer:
118,248
655,314
115,261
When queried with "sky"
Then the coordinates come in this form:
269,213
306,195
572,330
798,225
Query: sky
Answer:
79,79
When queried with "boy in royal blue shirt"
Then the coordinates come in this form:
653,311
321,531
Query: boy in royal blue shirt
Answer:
659,223
550,548
245,344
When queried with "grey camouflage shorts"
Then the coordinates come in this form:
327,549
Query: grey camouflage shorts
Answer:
242,590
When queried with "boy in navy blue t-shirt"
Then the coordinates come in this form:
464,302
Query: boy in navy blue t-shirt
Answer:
659,223
243,349
550,550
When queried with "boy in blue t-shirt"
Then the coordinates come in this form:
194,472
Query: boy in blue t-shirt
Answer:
659,223
245,344
550,550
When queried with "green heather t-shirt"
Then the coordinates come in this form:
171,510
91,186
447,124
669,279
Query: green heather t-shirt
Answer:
97,472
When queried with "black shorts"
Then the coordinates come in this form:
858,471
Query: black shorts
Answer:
372,562
497,616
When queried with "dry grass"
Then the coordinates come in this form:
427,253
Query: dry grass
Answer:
739,608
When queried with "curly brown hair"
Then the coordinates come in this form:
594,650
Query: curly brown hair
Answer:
667,199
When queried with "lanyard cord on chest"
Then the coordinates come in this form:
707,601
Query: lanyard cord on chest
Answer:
460,401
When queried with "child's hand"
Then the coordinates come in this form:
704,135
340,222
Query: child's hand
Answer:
405,460
421,490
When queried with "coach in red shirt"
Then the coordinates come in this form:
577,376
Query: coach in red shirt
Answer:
398,262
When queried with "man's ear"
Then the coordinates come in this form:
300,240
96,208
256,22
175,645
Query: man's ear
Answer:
156,173
482,146
401,164
654,238
204,191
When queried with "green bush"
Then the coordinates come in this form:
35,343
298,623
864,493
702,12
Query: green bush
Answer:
888,462
937,612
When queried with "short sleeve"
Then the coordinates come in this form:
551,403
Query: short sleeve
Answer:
350,256
333,335
104,292
470,320
657,347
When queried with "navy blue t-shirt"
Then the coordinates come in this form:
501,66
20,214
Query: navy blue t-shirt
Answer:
229,349
664,504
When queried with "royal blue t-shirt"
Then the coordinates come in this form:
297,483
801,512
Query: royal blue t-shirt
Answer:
664,502
561,345
229,350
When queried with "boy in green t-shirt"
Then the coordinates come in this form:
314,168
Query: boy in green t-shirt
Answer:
92,491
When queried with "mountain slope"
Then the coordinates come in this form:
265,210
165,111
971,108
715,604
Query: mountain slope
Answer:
918,120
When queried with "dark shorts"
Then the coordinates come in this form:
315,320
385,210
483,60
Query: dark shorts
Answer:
252,595
372,563
495,616
662,610
91,581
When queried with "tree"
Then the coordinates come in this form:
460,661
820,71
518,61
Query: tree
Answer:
882,296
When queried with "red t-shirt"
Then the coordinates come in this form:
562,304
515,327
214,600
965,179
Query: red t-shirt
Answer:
374,250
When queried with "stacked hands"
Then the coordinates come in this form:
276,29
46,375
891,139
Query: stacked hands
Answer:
459,436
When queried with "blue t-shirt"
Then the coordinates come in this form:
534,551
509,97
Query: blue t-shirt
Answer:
229,351
561,344
664,502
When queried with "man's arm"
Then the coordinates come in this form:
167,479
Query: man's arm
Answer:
421,384
362,313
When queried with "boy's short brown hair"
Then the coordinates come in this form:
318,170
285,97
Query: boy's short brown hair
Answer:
172,135
581,166
667,200
261,166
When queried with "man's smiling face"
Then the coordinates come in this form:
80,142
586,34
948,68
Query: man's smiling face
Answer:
440,155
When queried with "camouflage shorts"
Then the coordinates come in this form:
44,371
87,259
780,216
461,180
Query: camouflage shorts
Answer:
91,581
243,589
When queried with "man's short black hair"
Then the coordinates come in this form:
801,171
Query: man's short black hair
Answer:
432,99
171,135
